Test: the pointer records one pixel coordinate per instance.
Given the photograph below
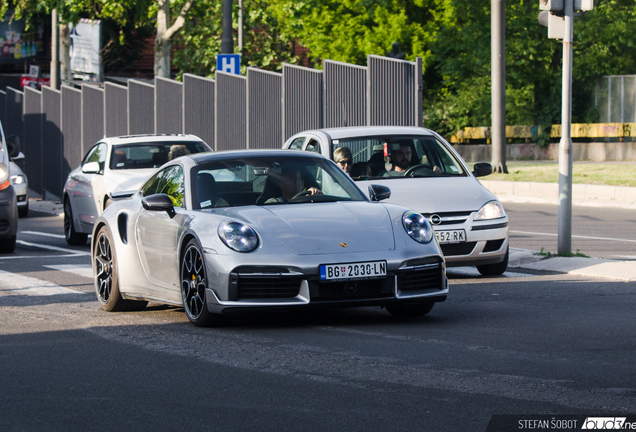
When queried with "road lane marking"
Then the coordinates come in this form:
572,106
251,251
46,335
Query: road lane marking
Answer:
55,248
471,271
629,257
44,234
59,236
29,286
575,236
85,270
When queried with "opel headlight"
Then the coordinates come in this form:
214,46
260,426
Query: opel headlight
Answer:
417,227
492,210
17,179
238,236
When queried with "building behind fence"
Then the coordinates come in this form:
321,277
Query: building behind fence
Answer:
260,110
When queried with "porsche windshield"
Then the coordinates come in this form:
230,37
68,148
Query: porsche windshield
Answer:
271,181
396,157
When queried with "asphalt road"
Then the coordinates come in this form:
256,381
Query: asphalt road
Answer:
523,344
596,232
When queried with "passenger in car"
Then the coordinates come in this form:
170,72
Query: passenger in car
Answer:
342,157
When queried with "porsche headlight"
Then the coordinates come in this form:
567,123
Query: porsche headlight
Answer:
17,179
492,210
417,227
238,236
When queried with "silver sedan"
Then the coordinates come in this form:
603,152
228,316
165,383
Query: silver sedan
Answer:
425,173
113,166
231,233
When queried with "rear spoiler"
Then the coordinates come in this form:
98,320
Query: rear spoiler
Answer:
122,195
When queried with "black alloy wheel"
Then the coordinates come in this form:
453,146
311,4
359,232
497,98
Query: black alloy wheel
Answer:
73,238
106,276
193,285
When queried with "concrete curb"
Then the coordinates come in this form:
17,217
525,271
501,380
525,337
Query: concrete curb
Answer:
592,267
548,193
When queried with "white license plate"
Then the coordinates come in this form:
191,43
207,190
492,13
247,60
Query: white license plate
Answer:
451,236
362,270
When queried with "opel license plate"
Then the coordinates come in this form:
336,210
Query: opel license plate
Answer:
451,236
362,270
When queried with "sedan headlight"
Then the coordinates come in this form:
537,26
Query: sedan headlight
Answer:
417,227
238,236
18,179
492,210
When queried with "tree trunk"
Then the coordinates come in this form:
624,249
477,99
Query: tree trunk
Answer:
65,54
162,43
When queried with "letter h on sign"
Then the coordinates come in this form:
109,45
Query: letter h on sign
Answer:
229,63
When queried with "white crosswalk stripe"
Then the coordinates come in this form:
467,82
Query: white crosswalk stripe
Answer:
85,270
29,286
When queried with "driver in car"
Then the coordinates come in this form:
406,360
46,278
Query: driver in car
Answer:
400,161
284,186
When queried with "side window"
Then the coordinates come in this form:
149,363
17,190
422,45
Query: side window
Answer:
150,188
96,154
169,181
297,144
313,146
173,186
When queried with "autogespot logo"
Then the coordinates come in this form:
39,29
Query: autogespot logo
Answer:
607,423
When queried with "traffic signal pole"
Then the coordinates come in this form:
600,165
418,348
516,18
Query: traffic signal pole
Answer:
565,145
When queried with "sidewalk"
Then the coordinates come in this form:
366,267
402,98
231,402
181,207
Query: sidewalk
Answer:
548,193
592,267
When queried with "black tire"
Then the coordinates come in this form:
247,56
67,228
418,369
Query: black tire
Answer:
73,238
193,284
405,310
107,277
7,245
494,269
23,211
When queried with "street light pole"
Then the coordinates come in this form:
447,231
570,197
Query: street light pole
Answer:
498,84
227,43
565,145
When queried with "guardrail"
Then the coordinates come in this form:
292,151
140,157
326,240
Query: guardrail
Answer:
579,130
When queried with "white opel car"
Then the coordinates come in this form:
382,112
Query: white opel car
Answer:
116,165
426,174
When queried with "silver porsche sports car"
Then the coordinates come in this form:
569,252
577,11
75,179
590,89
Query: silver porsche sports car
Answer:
232,233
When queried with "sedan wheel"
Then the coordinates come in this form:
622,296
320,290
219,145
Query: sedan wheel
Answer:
193,284
73,238
106,276
494,269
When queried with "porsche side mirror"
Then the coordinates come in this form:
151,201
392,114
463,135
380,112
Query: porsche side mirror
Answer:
91,168
482,169
379,192
159,202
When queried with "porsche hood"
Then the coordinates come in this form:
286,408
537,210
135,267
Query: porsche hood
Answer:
339,227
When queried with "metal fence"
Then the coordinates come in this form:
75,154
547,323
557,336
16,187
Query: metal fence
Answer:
92,116
259,110
616,99
32,144
115,110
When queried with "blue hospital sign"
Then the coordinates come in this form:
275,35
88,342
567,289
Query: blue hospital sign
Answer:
229,63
